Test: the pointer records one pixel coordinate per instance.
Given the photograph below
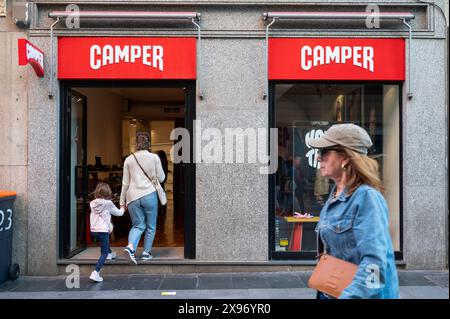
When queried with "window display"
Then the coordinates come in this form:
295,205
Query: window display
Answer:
305,111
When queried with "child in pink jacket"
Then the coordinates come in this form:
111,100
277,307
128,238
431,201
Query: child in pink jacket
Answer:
101,210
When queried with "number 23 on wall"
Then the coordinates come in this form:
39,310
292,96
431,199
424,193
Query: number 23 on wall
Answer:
8,219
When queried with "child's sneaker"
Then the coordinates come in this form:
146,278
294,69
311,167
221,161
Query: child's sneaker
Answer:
95,276
130,254
112,255
146,256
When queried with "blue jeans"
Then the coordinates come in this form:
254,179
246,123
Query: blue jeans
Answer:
143,213
321,295
103,238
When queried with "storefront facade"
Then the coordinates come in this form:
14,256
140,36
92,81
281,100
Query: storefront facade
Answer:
235,218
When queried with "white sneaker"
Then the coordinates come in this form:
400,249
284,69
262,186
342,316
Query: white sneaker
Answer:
112,255
95,276
131,254
146,256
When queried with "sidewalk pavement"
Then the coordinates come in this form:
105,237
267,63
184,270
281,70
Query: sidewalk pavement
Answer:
262,285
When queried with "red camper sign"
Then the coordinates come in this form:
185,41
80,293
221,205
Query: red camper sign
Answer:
30,54
336,59
126,58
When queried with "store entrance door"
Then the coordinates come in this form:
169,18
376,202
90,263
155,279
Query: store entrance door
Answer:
99,124
75,181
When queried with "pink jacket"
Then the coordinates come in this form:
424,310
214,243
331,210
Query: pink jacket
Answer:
101,211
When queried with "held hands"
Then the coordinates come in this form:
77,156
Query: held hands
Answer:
124,207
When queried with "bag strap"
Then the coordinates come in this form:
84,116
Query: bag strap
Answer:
143,170
321,247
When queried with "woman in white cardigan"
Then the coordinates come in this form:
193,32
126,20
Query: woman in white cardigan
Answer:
140,196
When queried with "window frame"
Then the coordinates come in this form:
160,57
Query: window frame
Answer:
307,256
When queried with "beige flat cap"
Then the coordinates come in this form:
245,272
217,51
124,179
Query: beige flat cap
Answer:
350,136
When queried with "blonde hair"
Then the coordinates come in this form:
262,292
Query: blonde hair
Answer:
103,190
362,170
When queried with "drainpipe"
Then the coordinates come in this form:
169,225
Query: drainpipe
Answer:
52,78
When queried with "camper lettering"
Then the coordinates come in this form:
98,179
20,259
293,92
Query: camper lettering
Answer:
150,55
360,56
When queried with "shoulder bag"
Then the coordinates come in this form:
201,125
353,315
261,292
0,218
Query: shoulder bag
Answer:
331,275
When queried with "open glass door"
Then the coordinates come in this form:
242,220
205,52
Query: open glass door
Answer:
75,204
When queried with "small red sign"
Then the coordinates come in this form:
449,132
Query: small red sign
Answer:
30,54
126,58
336,59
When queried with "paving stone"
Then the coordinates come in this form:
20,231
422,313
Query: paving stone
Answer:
413,278
423,292
24,284
284,280
144,282
440,280
207,281
248,281
179,282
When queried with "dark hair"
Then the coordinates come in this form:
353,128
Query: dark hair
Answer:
142,143
164,162
103,190
162,156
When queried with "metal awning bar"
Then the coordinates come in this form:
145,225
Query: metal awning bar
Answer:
337,15
125,15
194,17
271,17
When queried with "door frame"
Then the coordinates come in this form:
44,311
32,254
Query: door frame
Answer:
189,168
65,166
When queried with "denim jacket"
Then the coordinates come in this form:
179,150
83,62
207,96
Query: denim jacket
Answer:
355,228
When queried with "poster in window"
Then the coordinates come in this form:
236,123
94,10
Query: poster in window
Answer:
339,108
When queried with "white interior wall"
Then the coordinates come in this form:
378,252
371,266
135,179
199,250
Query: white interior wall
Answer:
391,151
104,124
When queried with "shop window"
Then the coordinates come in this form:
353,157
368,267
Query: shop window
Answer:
305,111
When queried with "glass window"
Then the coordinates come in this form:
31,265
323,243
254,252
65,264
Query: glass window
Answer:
306,111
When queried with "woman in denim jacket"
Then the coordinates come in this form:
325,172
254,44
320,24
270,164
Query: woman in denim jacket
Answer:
354,221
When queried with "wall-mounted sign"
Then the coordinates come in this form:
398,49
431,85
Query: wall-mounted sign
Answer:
30,54
336,59
126,58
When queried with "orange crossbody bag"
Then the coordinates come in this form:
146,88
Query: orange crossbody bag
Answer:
331,275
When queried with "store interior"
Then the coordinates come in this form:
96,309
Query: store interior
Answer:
114,117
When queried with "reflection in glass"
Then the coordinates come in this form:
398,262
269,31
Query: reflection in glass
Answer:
77,155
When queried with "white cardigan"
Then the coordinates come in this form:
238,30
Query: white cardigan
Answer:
135,184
